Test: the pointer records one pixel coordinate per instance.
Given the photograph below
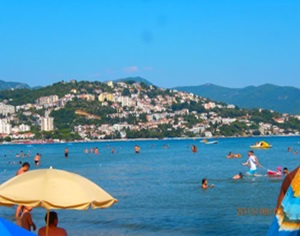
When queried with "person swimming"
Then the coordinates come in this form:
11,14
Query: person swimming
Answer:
285,171
205,184
238,176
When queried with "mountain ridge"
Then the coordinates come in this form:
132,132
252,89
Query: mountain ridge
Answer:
284,99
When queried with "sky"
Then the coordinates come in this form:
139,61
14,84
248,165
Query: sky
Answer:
231,43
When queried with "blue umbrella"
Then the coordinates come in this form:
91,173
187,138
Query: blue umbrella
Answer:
10,229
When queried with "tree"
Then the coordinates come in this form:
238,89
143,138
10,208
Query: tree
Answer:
126,92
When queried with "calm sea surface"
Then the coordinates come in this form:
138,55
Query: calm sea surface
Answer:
159,190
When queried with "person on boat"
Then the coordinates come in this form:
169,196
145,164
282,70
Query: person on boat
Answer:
285,171
205,184
278,172
252,163
287,218
238,176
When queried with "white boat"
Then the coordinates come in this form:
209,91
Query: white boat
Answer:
212,142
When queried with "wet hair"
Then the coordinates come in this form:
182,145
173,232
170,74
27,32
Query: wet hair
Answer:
203,180
26,164
285,168
241,174
251,151
52,217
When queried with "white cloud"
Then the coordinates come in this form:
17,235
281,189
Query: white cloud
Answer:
131,69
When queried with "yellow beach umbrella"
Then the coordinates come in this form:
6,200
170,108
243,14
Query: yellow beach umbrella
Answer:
54,189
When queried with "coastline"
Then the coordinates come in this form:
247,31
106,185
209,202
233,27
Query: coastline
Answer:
31,142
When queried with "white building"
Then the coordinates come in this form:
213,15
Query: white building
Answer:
6,109
47,101
209,105
24,128
47,123
5,128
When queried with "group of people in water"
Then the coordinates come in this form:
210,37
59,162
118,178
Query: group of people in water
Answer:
233,155
290,150
252,163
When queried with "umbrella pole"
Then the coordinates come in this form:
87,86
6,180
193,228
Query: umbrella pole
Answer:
47,222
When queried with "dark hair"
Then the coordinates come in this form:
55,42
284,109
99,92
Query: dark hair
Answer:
251,151
285,168
241,174
26,164
203,180
52,217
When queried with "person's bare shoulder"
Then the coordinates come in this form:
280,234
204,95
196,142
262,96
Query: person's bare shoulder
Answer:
42,231
61,232
289,178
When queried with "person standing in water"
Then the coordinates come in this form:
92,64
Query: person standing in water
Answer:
37,159
137,149
285,171
53,229
26,219
194,148
66,152
252,163
24,168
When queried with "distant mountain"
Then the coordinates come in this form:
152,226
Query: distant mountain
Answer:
12,85
136,79
268,96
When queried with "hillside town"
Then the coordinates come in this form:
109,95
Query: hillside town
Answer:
150,107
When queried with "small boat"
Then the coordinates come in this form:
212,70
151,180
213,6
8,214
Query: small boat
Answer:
272,173
211,142
261,144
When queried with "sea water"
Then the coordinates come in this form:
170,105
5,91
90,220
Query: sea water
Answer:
159,190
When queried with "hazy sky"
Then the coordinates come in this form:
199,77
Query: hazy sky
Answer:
232,43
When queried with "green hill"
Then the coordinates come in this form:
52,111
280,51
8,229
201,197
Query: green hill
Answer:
134,79
12,85
282,99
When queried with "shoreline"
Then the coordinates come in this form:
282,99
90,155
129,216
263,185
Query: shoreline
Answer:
42,142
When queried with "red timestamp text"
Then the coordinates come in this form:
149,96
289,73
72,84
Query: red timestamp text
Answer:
251,211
